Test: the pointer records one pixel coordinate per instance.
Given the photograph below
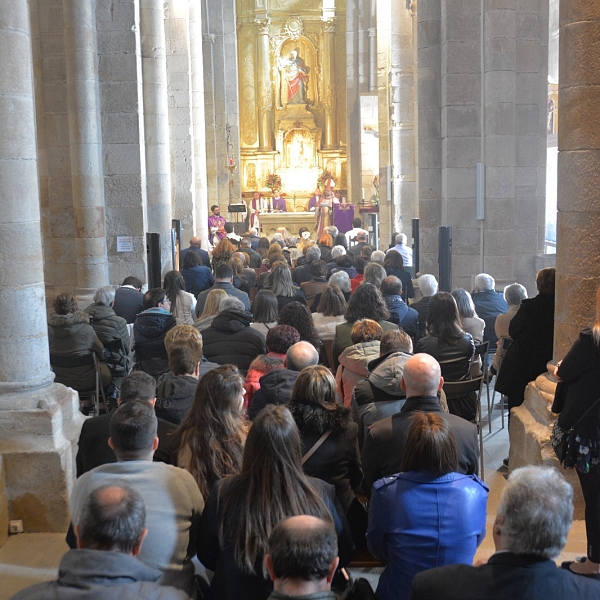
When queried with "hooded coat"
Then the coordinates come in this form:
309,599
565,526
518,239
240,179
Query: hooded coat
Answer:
231,340
380,395
275,388
71,336
354,367
337,459
149,331
111,329
174,396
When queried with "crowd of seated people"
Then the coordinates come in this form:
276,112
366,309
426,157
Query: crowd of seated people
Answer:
253,424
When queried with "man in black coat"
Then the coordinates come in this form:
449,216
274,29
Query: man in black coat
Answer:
93,442
223,281
276,386
230,339
400,313
129,300
531,527
195,247
254,258
385,440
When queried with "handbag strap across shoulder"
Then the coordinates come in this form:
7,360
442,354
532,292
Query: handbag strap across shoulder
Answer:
584,414
316,445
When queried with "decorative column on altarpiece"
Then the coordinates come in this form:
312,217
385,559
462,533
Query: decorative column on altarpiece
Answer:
329,83
265,101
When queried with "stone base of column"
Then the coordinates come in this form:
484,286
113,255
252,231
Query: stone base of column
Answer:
530,430
39,431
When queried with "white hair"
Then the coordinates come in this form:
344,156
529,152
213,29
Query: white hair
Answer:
514,294
341,279
378,256
484,282
401,239
537,510
337,251
428,285
231,303
104,295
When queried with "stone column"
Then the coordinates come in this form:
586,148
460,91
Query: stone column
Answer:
156,123
353,126
86,144
331,137
37,454
402,109
373,48
198,121
265,101
577,256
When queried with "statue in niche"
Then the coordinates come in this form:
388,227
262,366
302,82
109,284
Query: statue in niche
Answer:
294,77
251,175
299,149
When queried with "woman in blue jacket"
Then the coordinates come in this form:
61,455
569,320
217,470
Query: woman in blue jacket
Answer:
428,515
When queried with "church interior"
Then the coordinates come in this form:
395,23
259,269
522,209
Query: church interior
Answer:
121,116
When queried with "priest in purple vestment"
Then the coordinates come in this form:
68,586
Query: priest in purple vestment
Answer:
216,225
314,200
343,215
277,202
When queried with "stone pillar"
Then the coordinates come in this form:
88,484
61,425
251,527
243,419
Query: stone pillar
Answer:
402,109
37,449
265,101
577,256
198,122
329,74
86,143
156,124
353,125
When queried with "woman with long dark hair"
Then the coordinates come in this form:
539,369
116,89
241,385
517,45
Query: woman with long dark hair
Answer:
576,401
330,312
183,304
242,510
394,265
265,311
197,277
366,303
428,515
298,316
315,408
452,347
210,441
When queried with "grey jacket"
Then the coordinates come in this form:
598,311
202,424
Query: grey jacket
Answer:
101,574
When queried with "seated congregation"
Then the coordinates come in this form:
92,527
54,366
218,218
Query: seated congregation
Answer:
275,412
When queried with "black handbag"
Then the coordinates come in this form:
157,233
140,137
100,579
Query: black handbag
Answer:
560,437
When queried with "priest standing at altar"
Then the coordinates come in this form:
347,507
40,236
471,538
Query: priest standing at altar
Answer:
323,212
277,202
343,213
259,205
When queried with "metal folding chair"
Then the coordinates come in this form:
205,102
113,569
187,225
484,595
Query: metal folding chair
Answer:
506,342
482,350
456,389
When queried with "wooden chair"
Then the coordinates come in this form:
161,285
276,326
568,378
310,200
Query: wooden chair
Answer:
455,389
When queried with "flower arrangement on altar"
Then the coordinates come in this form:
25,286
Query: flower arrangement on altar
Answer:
273,181
325,179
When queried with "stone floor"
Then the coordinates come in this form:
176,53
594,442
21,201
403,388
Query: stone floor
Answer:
29,558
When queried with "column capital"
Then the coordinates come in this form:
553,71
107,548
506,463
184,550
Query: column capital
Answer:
263,26
329,25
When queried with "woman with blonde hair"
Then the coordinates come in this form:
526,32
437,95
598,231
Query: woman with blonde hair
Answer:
211,309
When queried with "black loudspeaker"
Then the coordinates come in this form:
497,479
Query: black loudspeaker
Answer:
445,258
373,227
153,257
415,246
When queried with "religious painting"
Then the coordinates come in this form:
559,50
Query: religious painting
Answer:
299,148
251,176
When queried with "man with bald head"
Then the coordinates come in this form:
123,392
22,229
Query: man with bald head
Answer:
276,386
109,534
195,246
302,558
385,440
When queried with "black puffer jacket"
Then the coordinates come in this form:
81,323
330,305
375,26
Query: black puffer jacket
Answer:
174,396
71,336
275,388
337,460
107,325
231,340
149,331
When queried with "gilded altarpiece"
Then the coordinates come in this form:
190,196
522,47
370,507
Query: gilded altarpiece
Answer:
292,94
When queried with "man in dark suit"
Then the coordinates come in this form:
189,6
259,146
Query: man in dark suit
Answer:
488,305
385,440
93,442
129,300
531,528
223,281
195,247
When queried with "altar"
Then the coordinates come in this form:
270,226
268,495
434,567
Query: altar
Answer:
292,221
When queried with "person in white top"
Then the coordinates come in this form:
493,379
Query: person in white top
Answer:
404,250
